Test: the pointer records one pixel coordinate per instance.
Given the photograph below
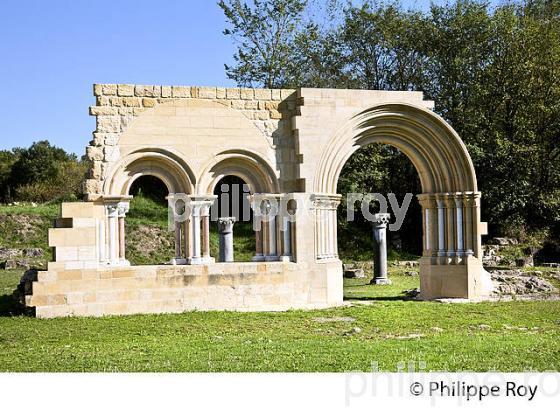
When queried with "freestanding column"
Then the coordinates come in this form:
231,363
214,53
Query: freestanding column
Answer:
380,251
225,230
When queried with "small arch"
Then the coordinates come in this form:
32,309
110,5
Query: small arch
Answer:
162,164
247,165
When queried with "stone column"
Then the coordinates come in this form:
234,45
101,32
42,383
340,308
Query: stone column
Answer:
195,258
200,228
259,257
123,208
460,236
112,214
225,230
205,233
272,254
429,224
179,243
440,226
380,262
287,240
451,218
187,241
325,225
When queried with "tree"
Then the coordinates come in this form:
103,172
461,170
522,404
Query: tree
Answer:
7,160
494,74
38,163
264,33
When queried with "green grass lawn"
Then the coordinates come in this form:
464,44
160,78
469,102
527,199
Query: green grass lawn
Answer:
505,336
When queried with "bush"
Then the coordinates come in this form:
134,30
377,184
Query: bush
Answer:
65,186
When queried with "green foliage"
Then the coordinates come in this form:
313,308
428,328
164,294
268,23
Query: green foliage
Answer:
7,159
40,173
263,33
492,72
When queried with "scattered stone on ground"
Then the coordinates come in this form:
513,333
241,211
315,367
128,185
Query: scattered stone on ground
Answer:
405,337
516,282
8,253
334,319
406,264
411,273
33,252
354,273
484,327
437,329
412,293
13,258
526,261
352,331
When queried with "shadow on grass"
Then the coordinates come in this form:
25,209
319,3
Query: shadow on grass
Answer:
380,298
10,305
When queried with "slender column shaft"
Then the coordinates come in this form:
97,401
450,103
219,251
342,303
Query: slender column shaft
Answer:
450,224
335,234
225,230
187,241
329,238
272,237
441,227
467,215
177,233
460,243
264,236
196,235
121,238
287,237
380,262
206,236
258,243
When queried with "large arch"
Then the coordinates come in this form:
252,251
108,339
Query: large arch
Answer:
451,258
435,149
160,163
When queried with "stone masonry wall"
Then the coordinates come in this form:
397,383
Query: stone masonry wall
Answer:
118,104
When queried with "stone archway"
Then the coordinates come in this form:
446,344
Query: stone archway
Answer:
163,164
451,258
247,165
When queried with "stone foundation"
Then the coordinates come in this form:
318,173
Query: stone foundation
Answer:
251,286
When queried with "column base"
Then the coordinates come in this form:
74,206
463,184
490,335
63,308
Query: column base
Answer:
285,258
178,261
115,262
271,258
258,258
124,262
380,281
200,260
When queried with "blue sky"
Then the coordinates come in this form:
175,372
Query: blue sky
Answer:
52,51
